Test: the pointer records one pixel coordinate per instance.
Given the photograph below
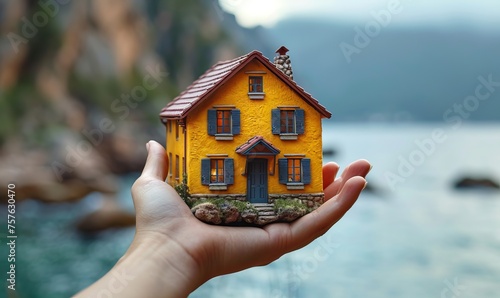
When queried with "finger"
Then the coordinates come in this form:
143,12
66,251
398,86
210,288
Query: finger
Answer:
330,170
316,223
358,168
157,162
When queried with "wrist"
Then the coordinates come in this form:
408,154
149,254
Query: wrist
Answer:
153,266
161,263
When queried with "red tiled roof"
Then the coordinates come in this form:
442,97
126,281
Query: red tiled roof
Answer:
217,75
254,141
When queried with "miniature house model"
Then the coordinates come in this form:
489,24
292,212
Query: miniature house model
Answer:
245,142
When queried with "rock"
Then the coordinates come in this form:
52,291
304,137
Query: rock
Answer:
290,214
264,220
230,214
329,152
248,216
476,183
208,213
109,216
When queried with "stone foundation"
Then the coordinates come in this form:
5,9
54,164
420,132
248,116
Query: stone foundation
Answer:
311,200
219,209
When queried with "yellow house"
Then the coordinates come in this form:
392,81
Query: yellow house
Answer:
245,131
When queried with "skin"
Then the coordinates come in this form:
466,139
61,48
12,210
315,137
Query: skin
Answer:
173,253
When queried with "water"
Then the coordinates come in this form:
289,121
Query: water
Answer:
415,238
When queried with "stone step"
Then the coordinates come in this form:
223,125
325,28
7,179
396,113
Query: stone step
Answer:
262,205
264,208
266,213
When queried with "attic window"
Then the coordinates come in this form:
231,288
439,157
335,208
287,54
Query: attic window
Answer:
255,87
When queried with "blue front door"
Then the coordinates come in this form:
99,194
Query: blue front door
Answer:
257,180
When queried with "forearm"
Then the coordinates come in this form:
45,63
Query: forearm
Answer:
148,269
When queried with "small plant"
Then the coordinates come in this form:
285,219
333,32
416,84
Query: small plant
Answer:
183,190
287,204
242,206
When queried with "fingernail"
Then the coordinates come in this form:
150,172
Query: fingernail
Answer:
147,146
366,183
371,167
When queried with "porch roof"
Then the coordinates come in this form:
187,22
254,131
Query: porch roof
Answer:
257,146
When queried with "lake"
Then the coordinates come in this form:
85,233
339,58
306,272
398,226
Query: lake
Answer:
413,236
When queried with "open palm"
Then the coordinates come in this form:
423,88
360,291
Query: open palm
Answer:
214,250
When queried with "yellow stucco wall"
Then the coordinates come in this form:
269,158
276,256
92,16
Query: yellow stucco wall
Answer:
175,147
255,120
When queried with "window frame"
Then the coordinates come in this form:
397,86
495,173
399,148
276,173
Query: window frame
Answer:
254,86
294,170
177,168
295,119
304,168
226,122
217,173
216,125
288,122
170,164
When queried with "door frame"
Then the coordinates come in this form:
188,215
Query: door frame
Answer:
251,177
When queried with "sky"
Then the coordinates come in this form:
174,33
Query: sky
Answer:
250,13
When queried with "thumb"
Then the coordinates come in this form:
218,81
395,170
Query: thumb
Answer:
157,162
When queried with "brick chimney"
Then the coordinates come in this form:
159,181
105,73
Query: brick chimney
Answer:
282,62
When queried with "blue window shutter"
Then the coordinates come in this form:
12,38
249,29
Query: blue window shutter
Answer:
283,170
235,114
229,171
306,171
205,171
299,121
212,122
275,121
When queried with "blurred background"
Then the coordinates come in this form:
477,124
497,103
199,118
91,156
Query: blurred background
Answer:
414,87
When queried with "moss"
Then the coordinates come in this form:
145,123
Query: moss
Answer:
243,206
220,202
289,204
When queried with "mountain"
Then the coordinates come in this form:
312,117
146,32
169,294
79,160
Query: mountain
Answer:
399,74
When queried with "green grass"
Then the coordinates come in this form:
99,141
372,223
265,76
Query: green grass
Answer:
284,204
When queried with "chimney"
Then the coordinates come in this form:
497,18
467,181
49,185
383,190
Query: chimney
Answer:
282,62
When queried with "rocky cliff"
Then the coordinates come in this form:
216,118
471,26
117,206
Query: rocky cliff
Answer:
82,82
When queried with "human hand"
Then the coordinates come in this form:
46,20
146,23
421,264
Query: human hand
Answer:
179,253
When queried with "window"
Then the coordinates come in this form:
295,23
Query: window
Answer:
217,173
288,123
183,166
255,84
177,167
223,123
294,172
170,164
255,87
177,131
